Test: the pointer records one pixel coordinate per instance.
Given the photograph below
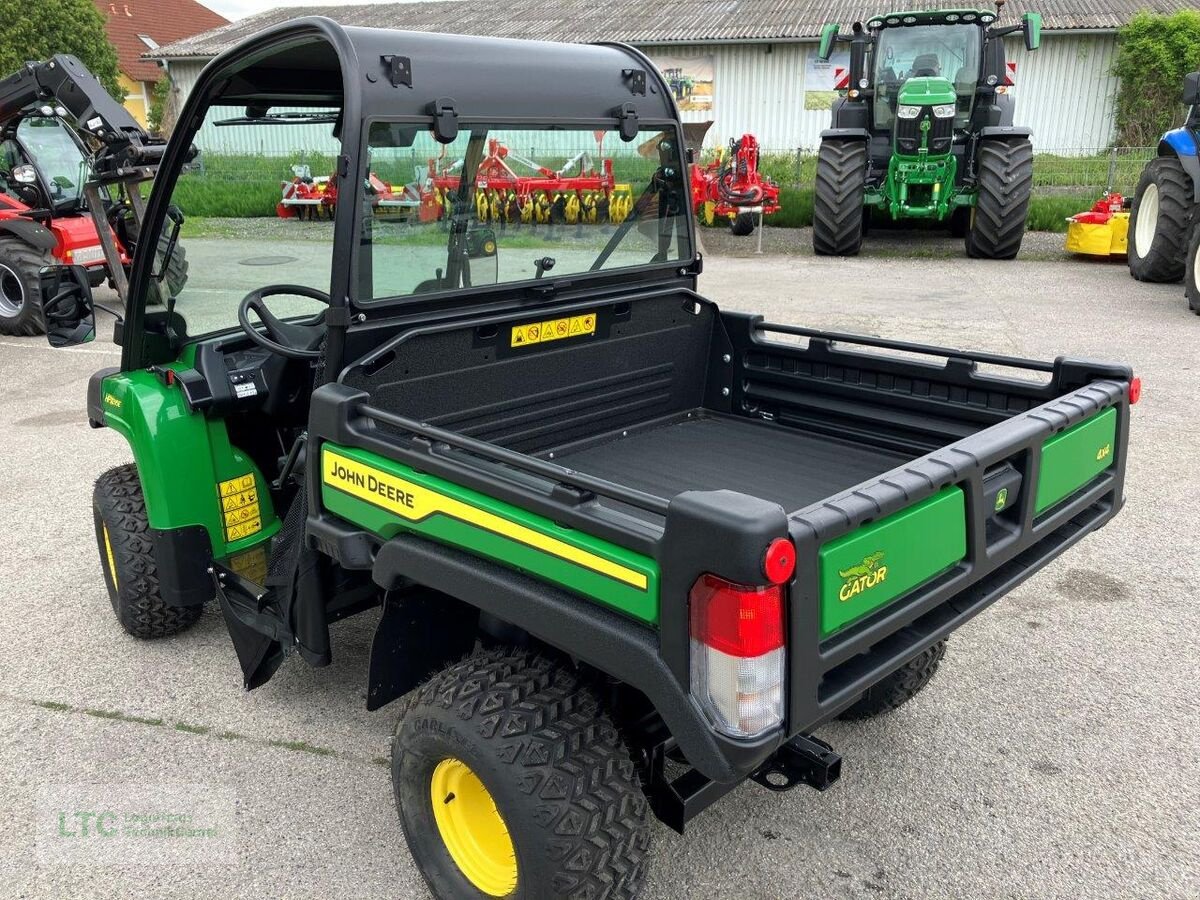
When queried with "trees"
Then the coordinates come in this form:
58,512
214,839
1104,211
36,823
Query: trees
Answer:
1154,53
38,30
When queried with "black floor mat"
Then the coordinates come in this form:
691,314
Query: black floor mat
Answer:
791,467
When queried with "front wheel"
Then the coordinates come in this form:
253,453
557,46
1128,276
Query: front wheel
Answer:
1191,280
1158,222
838,200
996,225
127,558
20,287
510,781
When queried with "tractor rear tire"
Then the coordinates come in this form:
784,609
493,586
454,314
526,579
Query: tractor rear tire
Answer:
838,202
1159,222
510,780
1191,280
899,687
127,558
997,224
177,267
20,287
743,224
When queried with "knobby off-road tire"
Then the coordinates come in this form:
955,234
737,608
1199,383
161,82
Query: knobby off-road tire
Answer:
20,287
127,558
1191,279
838,200
551,766
743,224
899,687
177,266
997,224
1159,222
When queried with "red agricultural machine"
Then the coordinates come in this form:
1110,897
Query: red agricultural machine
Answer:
578,193
731,187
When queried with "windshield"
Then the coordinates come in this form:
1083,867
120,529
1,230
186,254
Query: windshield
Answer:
945,51
507,205
51,147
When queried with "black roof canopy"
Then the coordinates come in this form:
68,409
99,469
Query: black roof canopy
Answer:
315,61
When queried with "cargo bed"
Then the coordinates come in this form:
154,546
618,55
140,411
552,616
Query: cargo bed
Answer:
705,451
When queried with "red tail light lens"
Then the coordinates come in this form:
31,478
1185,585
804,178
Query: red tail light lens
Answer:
737,619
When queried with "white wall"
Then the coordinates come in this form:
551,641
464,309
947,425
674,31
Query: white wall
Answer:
1064,92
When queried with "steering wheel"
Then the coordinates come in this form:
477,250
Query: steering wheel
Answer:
295,340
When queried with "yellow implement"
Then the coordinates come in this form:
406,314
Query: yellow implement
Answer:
1101,231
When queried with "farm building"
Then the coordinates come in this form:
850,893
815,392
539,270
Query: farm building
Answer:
747,65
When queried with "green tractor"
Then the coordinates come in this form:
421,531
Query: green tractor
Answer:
925,132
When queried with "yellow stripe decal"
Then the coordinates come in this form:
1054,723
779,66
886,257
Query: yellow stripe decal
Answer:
112,562
416,503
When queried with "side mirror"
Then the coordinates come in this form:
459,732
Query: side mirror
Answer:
482,256
828,35
1031,27
67,305
1191,88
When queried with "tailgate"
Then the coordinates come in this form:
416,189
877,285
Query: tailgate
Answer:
897,563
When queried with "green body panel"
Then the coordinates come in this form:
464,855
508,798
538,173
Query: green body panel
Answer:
450,527
921,185
181,457
874,565
1072,459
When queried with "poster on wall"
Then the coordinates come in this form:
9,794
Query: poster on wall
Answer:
691,80
824,78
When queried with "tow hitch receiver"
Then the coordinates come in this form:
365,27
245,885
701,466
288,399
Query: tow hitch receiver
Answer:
802,760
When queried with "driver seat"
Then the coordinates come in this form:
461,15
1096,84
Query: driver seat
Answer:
925,66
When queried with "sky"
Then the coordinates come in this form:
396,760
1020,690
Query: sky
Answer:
239,9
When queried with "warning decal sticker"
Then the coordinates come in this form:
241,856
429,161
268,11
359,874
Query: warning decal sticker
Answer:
553,330
239,507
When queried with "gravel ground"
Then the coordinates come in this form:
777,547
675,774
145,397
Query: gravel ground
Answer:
1057,754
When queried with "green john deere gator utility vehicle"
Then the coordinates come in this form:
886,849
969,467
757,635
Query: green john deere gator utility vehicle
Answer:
624,549
925,132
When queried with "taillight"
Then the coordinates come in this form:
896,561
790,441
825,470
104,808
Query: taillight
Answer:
738,655
1135,391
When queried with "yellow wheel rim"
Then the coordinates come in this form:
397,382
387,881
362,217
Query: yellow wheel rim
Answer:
108,552
472,828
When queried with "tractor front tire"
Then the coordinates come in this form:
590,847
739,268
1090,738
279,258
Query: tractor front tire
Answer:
20,287
1191,280
127,557
838,202
1159,222
899,687
997,223
742,224
510,781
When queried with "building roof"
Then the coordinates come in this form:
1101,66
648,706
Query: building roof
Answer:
640,22
162,21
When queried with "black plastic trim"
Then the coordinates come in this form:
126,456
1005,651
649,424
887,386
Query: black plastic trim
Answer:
183,556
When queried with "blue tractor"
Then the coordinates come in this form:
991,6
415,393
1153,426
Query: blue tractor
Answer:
1164,237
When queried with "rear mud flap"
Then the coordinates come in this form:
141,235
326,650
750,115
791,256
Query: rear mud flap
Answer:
258,654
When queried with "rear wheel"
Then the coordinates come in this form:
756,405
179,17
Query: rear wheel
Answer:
838,202
20,288
997,223
1191,280
511,781
742,224
1158,222
899,687
127,558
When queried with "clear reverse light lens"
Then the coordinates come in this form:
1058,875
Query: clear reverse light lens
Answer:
908,112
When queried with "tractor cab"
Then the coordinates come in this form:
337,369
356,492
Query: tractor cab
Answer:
43,163
943,72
